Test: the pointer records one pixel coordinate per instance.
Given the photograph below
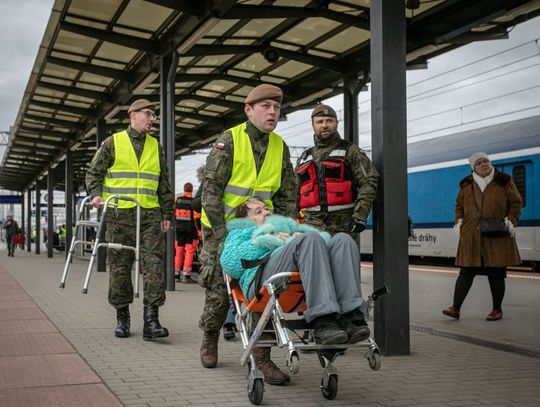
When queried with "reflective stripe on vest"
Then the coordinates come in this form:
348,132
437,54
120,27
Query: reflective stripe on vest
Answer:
245,183
128,176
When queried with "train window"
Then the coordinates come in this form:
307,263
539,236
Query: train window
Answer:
518,176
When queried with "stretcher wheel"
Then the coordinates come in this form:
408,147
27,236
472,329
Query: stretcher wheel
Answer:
330,391
256,393
294,364
374,361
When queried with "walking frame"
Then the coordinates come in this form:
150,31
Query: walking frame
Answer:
272,302
84,221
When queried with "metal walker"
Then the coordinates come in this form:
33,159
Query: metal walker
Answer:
83,221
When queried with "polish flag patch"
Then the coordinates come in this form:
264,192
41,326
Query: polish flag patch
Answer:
220,146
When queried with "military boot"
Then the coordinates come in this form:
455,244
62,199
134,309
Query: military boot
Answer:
209,349
123,322
327,332
272,374
152,328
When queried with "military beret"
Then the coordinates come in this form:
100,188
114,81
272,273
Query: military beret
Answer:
140,104
324,111
263,92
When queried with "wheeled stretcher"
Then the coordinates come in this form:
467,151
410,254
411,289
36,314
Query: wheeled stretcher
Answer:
273,302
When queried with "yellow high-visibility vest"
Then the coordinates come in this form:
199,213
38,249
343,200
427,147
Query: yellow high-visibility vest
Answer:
245,183
134,178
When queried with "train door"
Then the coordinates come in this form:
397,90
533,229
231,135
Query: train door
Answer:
528,235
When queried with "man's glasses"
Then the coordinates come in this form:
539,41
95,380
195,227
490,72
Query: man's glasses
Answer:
148,113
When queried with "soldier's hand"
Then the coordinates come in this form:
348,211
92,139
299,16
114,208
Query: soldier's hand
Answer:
96,201
357,225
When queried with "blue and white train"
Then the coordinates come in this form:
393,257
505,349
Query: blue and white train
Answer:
435,168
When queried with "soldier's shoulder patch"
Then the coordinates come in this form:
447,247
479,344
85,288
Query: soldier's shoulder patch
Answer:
220,146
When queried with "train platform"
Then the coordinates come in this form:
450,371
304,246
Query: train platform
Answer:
57,348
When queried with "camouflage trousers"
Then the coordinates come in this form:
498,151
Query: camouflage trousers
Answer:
216,302
121,228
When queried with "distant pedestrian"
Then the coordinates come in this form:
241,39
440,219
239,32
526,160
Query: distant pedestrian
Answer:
186,235
12,229
487,211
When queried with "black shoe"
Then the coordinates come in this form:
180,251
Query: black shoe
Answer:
327,332
228,331
152,328
123,322
355,325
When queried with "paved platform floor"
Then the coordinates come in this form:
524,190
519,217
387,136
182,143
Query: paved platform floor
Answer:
59,345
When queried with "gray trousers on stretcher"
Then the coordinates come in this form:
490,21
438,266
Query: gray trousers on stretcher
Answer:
330,273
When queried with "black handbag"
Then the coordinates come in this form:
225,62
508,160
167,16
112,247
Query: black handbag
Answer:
493,227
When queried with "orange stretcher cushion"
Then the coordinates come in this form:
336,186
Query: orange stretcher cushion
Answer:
290,300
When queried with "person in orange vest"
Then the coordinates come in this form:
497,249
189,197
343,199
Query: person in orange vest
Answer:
186,236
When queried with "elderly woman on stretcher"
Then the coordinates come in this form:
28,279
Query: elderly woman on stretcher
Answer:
328,266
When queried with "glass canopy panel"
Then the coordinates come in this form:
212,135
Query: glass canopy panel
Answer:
96,79
99,9
116,52
78,98
254,63
345,40
216,108
60,71
75,43
219,86
145,15
49,93
259,27
189,103
290,69
222,27
309,30
215,60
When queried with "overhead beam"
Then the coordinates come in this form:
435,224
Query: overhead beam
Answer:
333,65
87,93
91,68
129,41
80,111
203,77
242,11
458,19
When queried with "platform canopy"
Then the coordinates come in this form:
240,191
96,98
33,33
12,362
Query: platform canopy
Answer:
97,56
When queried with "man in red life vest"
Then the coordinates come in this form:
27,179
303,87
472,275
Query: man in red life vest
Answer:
337,181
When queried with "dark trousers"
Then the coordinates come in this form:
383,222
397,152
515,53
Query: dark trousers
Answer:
496,276
10,240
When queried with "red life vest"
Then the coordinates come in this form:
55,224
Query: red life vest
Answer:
326,186
183,211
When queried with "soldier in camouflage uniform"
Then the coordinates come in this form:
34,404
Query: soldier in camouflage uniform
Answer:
339,198
142,165
262,106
